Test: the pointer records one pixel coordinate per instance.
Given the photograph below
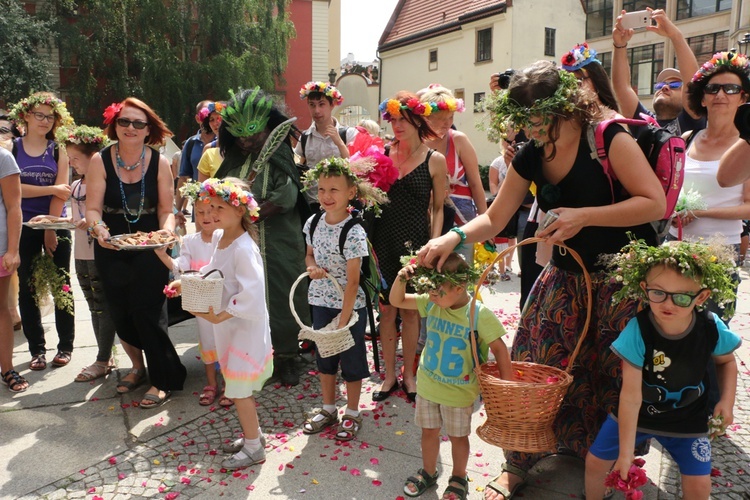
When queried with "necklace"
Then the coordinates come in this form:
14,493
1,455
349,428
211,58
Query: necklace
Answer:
121,163
126,212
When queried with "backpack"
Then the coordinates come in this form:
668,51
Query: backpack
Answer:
370,279
664,151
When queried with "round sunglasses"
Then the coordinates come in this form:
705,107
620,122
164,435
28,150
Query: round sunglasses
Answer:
728,88
680,299
137,124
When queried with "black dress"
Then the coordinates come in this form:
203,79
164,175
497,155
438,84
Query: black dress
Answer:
405,220
134,280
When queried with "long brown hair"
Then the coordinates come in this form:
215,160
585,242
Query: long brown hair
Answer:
158,130
419,122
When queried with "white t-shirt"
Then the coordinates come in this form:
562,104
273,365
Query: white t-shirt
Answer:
319,147
8,166
328,256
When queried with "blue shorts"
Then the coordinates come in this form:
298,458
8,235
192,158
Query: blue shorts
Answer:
354,360
692,454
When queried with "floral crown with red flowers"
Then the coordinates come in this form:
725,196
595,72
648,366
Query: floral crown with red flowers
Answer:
324,88
224,189
730,59
580,56
391,108
211,107
111,112
23,107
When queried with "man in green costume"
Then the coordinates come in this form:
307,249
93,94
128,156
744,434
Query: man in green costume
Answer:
247,125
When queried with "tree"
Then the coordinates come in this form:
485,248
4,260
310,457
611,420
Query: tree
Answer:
170,54
23,70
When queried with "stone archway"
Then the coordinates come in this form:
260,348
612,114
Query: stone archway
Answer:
360,99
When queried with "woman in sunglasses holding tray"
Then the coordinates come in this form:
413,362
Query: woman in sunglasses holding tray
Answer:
130,189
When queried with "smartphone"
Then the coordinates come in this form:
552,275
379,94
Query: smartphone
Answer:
637,19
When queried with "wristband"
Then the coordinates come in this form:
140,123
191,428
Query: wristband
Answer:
91,227
461,234
619,46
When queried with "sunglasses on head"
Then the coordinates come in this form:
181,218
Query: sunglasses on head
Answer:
678,299
671,85
137,124
728,88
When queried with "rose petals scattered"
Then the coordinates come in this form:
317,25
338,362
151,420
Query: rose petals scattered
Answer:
112,460
343,468
376,482
185,480
172,495
91,490
355,472
374,461
120,476
250,487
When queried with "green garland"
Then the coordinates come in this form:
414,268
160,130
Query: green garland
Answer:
711,263
355,171
24,106
82,134
507,114
427,279
48,279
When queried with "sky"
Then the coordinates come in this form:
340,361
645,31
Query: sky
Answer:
362,24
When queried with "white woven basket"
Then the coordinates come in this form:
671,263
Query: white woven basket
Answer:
199,292
329,339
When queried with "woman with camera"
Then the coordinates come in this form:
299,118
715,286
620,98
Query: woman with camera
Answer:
555,112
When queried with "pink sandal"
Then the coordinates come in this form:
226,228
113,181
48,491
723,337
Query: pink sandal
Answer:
225,401
208,396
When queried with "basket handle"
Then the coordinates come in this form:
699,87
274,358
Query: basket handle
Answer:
294,287
589,302
193,271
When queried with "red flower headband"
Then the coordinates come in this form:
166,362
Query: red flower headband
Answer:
111,112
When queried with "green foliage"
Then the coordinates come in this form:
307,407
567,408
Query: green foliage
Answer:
170,54
484,174
23,70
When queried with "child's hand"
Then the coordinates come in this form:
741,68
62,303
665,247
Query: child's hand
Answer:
623,465
316,272
173,289
210,316
407,272
724,416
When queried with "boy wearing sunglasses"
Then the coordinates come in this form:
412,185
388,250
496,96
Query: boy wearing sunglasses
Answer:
665,351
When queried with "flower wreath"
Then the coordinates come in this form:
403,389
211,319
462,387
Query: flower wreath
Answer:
211,107
427,279
324,88
507,113
83,134
730,58
580,56
24,106
391,108
710,262
224,189
357,172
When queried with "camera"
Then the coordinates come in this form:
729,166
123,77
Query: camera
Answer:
742,121
517,146
503,79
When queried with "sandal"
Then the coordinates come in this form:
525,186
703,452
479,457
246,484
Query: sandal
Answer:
349,427
208,396
153,400
93,372
422,480
457,488
14,381
502,490
38,362
225,401
62,358
318,425
140,377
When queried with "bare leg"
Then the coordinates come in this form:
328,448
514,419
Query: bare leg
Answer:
353,392
696,487
596,471
211,375
136,360
409,337
6,328
248,417
430,450
460,452
388,342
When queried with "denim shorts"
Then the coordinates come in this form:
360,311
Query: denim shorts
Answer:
354,360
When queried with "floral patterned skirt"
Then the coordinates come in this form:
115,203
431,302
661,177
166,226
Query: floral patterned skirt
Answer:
551,324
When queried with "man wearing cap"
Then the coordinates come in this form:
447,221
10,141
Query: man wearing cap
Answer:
670,95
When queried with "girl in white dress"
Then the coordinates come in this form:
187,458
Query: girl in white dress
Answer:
241,329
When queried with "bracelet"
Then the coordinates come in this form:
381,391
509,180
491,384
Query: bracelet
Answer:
461,234
619,46
90,229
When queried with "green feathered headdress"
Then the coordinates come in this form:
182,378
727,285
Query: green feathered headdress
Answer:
248,118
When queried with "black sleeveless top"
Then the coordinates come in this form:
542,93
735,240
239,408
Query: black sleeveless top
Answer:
113,213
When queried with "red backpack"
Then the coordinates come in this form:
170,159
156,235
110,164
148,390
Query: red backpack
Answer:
664,151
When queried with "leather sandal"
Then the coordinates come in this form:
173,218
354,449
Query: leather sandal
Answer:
422,481
317,426
457,489
14,381
349,428
126,386
93,372
62,358
38,362
154,400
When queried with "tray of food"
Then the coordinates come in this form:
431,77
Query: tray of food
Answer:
50,222
141,240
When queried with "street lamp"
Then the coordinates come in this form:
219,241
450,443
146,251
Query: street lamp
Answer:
374,73
332,77
744,44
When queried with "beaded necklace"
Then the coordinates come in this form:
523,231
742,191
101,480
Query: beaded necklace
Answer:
125,209
121,163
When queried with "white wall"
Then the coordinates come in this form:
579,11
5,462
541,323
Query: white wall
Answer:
320,39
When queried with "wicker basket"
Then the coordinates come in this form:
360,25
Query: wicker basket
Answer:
521,412
329,339
199,292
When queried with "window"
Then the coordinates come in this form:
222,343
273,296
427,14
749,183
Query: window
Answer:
549,42
458,93
598,18
606,59
484,45
645,64
432,65
705,46
633,5
694,8
479,102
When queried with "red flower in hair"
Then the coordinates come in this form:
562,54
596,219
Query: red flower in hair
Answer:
442,106
418,109
111,112
412,103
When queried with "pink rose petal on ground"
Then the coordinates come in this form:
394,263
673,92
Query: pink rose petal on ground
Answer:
374,461
343,468
97,497
250,487
185,480
91,490
355,472
112,460
376,482
172,495
162,488
121,476
281,467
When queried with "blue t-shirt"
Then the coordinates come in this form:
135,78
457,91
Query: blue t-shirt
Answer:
189,162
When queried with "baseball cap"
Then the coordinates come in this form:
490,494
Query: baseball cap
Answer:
668,73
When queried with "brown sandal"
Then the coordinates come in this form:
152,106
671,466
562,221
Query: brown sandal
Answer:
225,401
125,386
62,358
38,362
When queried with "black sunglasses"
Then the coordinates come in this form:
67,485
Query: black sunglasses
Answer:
728,88
137,124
